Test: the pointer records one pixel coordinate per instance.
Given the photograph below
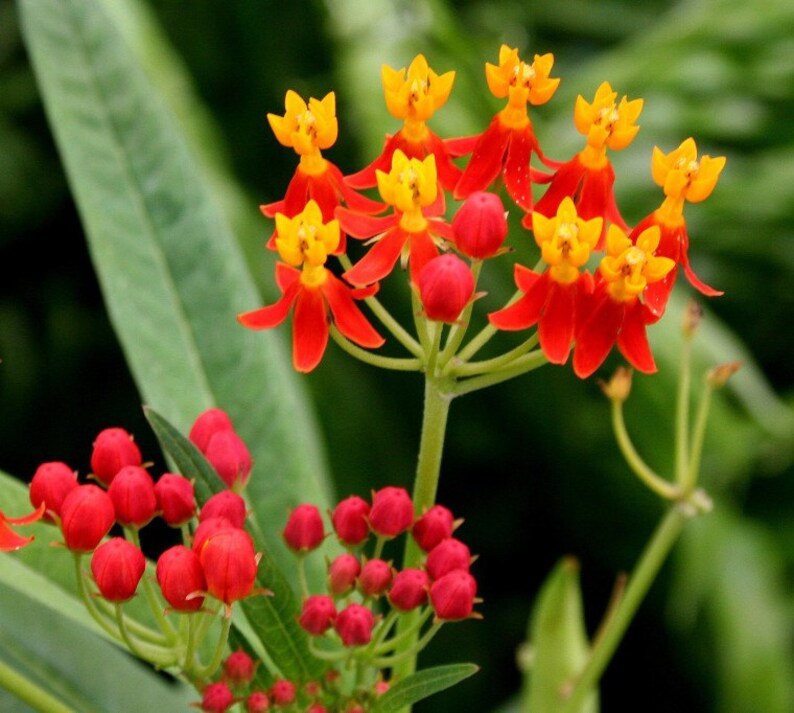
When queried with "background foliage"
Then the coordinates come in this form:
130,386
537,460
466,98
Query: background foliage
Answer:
531,466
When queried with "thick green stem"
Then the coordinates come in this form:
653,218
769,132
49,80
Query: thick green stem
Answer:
645,572
25,690
682,414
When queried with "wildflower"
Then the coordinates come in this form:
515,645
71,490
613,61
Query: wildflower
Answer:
10,540
305,530
257,702
181,578
550,299
225,504
354,625
409,589
480,226
413,232
228,454
446,286
414,97
507,145
615,312
306,241
350,520
217,698
117,566
375,577
113,449
133,496
206,425
176,500
283,692
446,556
453,595
318,614
50,484
342,574
229,563
392,512
87,515
239,668
433,527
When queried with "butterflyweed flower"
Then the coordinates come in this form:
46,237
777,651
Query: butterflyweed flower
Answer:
412,233
354,625
230,457
87,515
305,530
239,668
229,563
283,692
480,226
117,566
350,520
550,299
181,578
589,177
305,241
343,572
206,425
225,504
409,589
217,697
50,484
615,314
446,556
11,540
446,286
413,95
683,177
453,595
392,512
113,449
133,497
434,526
318,614
176,499
375,578
507,145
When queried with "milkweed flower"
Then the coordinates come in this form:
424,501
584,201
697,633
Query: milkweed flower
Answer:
11,540
683,178
411,232
305,242
550,299
413,95
507,145
615,314
589,177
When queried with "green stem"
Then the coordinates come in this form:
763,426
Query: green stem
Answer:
458,369
393,363
518,366
156,655
698,434
393,661
682,414
647,568
25,690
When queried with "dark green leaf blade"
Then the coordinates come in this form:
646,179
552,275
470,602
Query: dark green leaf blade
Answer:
422,684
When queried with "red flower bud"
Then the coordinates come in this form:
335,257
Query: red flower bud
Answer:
319,612
132,493
446,556
375,578
229,564
230,457
227,504
434,526
51,483
117,566
239,668
342,573
113,449
305,530
452,596
354,625
446,286
207,425
317,708
409,589
217,698
283,692
86,517
176,500
179,574
257,702
381,687
392,512
480,225
350,520
207,528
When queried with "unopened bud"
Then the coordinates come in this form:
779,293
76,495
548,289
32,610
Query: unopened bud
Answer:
304,530
480,225
354,625
51,483
446,286
618,387
719,375
117,566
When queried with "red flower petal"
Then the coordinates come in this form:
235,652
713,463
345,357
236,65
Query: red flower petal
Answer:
486,159
516,170
633,340
275,314
309,329
448,173
461,146
596,334
364,226
297,195
565,182
422,250
557,321
347,316
694,280
365,178
527,310
380,259
10,540
352,198
657,293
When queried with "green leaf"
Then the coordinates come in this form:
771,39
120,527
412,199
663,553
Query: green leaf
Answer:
171,272
422,684
557,640
272,618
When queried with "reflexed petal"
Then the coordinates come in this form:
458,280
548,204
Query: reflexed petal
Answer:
362,226
633,340
309,330
657,293
596,335
275,314
10,540
352,199
297,194
564,182
448,173
380,259
527,311
347,316
516,171
486,160
422,250
557,321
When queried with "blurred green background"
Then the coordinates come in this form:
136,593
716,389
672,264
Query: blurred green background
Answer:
531,466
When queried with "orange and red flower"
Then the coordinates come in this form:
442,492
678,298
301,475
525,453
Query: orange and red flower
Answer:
305,241
11,540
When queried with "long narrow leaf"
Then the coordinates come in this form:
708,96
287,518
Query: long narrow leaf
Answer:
419,686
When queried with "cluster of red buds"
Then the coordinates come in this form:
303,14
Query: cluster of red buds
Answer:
213,567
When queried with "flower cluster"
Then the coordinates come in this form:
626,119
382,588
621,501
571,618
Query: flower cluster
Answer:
575,307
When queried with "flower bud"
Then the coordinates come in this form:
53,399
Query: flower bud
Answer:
480,225
354,625
230,457
717,377
446,286
239,668
226,504
319,612
317,708
350,520
409,589
283,692
86,517
342,574
446,556
113,449
452,596
176,499
375,578
207,528
179,574
305,530
618,387
229,564
207,425
257,702
117,566
434,526
132,493
51,483
392,511
217,698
